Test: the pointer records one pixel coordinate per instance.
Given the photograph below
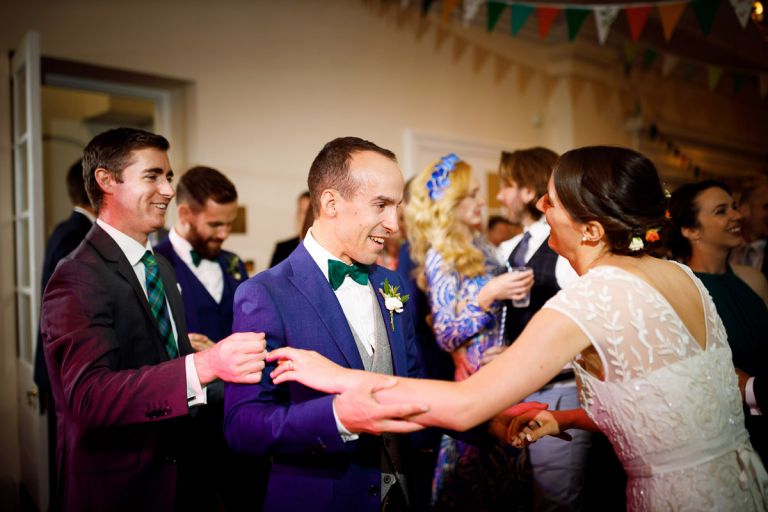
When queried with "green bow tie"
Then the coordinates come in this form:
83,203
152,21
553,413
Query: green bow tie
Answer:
338,270
196,257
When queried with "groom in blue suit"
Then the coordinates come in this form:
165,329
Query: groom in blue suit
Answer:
328,297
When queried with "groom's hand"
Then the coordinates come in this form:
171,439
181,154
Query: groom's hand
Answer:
359,411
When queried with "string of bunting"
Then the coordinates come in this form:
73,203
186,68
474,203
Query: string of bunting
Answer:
670,146
605,14
670,12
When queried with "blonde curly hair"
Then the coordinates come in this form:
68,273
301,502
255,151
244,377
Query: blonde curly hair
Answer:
432,223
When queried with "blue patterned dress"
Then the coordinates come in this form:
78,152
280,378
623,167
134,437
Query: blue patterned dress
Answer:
468,477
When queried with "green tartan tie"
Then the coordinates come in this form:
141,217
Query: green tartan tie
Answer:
156,297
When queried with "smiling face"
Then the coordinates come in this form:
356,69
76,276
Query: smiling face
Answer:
136,205
469,211
209,227
564,235
363,221
719,222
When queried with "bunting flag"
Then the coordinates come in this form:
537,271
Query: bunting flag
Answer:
742,9
448,7
575,17
713,76
501,67
604,18
738,81
705,13
688,70
425,5
519,16
459,47
470,8
495,10
668,64
481,55
649,56
546,16
524,76
441,36
630,52
670,15
637,18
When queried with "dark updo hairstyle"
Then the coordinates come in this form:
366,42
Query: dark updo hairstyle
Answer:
684,213
617,187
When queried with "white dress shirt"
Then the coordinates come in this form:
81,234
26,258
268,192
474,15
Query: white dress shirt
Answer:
564,273
208,272
752,254
134,251
359,305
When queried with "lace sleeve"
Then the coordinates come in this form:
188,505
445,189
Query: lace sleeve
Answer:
630,324
456,316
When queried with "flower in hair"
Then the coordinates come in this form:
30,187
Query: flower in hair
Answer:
439,181
652,235
635,244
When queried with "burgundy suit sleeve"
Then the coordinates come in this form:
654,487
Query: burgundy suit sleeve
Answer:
87,355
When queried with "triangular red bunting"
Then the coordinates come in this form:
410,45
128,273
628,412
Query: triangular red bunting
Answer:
546,16
637,18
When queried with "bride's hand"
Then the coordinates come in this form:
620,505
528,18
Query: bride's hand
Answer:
313,370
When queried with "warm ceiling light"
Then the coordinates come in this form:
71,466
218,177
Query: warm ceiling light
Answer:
758,15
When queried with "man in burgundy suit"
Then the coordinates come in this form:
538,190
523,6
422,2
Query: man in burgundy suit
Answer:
123,374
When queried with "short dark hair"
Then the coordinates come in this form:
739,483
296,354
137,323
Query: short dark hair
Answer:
530,168
617,187
201,183
684,213
330,169
76,184
111,150
497,219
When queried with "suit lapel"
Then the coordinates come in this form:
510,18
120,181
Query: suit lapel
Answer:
111,252
395,337
176,303
312,284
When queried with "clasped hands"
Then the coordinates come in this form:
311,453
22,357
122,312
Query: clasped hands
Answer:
359,410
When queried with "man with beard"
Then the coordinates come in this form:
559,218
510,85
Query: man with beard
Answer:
208,277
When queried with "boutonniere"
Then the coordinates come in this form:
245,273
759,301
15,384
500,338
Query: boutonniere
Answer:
393,301
233,268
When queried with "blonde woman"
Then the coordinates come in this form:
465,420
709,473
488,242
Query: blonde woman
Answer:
458,269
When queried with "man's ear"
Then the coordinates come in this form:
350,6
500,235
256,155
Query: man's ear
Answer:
527,195
105,179
184,212
328,200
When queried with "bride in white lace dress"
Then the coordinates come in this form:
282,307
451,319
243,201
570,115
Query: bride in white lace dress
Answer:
649,350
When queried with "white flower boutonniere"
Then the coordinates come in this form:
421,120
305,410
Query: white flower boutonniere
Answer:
393,301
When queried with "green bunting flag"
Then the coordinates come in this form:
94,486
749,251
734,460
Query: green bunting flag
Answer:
495,10
575,18
519,16
705,12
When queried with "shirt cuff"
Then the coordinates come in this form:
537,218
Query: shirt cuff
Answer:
345,434
196,394
749,397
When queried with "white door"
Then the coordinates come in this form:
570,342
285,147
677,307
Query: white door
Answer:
28,215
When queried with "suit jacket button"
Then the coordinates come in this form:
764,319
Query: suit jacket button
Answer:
387,479
373,490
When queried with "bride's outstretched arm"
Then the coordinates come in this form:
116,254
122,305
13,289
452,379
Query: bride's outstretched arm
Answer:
547,343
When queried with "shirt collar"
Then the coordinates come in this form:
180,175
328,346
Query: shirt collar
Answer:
540,228
182,246
132,249
83,211
319,254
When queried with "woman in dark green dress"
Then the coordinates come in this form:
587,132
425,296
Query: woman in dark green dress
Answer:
705,227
